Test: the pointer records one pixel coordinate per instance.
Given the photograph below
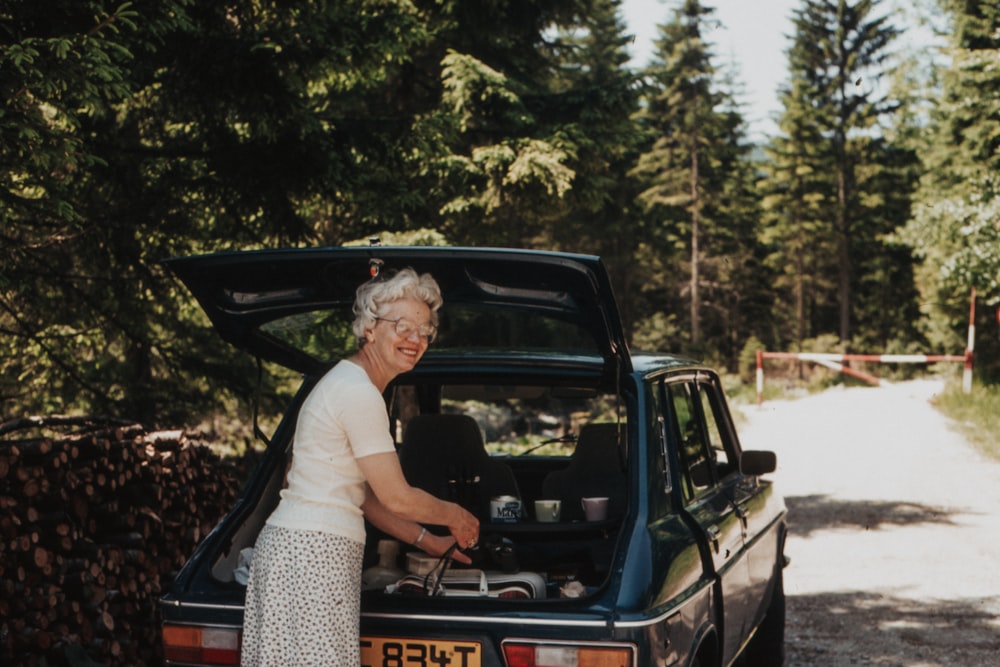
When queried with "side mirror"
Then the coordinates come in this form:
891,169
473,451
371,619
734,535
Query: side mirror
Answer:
758,462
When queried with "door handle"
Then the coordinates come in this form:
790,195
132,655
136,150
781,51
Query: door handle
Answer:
742,514
713,535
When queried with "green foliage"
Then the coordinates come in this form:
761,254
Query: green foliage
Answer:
137,132
479,97
63,70
953,228
658,331
132,132
415,237
974,414
155,130
698,201
748,359
834,190
532,151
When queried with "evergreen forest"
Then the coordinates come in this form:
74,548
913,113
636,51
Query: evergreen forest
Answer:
131,132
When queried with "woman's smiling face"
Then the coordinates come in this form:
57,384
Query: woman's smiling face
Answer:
393,352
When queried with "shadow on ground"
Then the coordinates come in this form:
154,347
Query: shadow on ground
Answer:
807,514
843,629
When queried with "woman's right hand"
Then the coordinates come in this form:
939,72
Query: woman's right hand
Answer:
438,545
464,527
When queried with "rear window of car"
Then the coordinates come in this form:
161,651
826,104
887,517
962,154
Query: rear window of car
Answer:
518,419
326,335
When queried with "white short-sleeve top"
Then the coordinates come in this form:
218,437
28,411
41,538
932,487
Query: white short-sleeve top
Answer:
343,419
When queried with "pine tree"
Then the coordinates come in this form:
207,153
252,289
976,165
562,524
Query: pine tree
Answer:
509,122
825,197
797,199
602,96
739,284
678,172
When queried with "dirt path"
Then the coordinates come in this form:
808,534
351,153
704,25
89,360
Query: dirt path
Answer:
895,529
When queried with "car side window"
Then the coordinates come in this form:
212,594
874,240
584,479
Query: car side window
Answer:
724,459
696,464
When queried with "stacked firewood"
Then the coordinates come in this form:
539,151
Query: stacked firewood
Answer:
94,525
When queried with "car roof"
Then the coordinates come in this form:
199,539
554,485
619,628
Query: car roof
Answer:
293,306
650,362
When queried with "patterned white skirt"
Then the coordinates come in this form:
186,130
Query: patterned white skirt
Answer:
303,600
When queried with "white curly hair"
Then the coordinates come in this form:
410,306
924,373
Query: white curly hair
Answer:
405,283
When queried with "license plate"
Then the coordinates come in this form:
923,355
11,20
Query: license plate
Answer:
404,652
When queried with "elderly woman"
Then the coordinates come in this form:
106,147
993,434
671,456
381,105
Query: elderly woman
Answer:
303,598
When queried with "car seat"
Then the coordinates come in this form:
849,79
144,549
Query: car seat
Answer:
445,456
596,468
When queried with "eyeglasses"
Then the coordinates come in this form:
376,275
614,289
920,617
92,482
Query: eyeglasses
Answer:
405,328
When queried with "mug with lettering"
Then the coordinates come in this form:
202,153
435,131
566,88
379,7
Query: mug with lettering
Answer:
595,508
505,509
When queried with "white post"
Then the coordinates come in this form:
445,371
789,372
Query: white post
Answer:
970,346
760,377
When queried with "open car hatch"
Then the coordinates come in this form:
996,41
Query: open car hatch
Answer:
293,306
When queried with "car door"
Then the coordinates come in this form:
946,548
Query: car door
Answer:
753,499
708,494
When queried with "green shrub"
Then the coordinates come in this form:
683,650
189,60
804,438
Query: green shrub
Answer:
975,415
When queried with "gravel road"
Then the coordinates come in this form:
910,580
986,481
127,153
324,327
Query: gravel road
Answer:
894,529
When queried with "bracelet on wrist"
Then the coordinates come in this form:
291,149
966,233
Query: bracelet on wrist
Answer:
423,531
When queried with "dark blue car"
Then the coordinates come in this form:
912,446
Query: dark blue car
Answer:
655,539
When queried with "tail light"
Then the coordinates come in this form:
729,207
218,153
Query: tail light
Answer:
199,645
524,654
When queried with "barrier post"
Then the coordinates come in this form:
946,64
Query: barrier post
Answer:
970,346
760,376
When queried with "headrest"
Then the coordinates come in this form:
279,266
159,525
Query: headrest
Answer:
598,447
456,436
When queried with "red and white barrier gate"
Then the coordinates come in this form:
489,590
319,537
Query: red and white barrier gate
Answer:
836,361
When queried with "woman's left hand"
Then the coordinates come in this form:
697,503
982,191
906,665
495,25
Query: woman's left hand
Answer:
436,545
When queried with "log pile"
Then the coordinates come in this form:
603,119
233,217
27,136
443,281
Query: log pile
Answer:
94,525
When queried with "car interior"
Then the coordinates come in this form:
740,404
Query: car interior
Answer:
477,443
482,445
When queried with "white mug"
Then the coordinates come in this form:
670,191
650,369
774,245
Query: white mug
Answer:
595,509
547,511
